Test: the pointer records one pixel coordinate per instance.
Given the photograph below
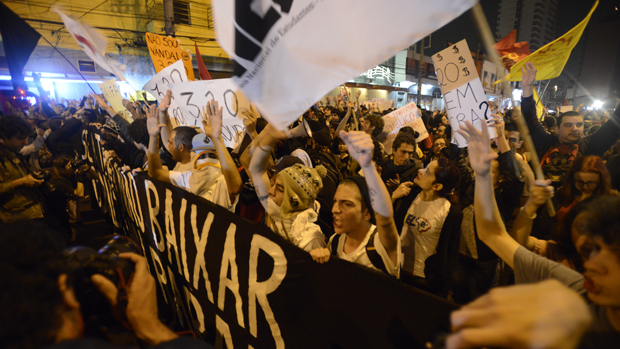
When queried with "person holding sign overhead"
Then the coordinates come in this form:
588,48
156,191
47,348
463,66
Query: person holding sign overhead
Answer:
214,175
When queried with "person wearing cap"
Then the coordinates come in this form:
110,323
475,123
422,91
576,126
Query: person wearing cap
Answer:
289,198
214,175
359,203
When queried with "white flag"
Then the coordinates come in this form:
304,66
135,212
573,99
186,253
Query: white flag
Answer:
93,44
290,54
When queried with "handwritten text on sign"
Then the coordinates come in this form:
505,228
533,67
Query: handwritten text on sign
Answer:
192,97
158,85
165,51
460,85
113,94
408,115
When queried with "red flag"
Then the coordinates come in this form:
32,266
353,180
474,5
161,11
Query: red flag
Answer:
512,51
202,69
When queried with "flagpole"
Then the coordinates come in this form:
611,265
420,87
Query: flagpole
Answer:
543,94
68,61
487,38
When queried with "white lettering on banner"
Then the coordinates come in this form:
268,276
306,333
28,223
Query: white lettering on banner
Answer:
192,302
192,97
260,290
182,230
134,190
113,95
464,96
153,205
171,235
159,271
222,331
201,245
399,118
229,259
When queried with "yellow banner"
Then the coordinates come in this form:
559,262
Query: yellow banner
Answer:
165,50
540,108
551,58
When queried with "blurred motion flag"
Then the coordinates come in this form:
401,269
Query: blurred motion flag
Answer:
540,108
19,40
93,44
510,50
551,58
289,53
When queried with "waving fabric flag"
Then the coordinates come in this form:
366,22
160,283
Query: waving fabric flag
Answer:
202,68
93,44
289,53
512,51
19,40
551,58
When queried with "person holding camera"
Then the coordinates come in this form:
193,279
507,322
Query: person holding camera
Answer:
59,191
18,195
42,303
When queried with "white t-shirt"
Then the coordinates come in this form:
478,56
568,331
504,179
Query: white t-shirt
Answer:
300,229
421,231
180,167
208,182
360,256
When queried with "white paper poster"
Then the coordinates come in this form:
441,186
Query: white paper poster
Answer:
192,97
158,85
290,54
408,115
113,95
462,90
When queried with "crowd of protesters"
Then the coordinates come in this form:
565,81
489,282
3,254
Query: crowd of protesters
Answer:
454,222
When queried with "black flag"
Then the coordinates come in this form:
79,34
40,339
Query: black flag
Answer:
19,40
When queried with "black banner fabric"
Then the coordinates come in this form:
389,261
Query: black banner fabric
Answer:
243,286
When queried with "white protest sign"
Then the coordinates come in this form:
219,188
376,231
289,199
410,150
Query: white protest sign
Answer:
408,115
288,54
113,95
462,90
158,85
191,97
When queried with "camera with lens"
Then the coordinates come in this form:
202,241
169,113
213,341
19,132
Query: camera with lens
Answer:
42,175
84,262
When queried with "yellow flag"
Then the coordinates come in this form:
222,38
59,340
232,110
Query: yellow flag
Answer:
551,58
540,108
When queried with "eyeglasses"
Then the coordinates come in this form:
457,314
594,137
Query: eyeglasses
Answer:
591,185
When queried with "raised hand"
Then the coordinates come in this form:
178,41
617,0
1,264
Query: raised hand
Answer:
165,102
499,124
152,121
212,120
478,144
529,74
251,117
358,94
360,146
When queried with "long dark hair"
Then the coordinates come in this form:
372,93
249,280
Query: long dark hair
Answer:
447,174
564,234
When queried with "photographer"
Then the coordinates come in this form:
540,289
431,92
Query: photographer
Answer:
40,306
18,196
61,201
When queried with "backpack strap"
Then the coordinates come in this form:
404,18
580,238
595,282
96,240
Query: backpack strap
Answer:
335,244
373,255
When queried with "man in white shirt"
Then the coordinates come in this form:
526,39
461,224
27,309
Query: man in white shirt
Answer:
213,174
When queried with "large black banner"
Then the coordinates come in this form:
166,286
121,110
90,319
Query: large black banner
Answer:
243,286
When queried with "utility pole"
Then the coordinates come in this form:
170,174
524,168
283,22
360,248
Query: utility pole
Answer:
169,17
420,72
